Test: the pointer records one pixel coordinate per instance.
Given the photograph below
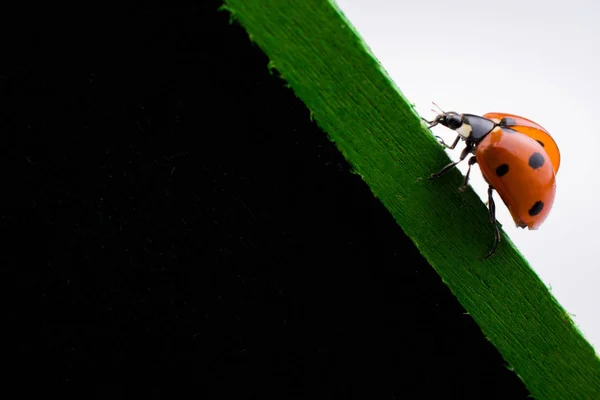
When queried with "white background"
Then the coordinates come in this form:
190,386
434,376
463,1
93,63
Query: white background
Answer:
537,59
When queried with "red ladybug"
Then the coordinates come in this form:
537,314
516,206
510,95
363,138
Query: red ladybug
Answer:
517,157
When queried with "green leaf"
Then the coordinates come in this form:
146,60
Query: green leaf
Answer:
354,101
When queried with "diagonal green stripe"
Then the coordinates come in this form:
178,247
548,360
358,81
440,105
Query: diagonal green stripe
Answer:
351,97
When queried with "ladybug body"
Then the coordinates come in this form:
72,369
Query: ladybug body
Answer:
518,158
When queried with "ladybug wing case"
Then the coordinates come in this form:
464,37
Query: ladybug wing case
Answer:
531,129
522,173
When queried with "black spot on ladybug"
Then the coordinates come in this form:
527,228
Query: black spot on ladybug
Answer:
507,121
536,208
536,160
541,143
502,170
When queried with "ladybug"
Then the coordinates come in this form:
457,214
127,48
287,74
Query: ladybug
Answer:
517,157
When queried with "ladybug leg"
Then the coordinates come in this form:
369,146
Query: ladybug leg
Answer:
472,160
492,208
430,124
448,167
444,145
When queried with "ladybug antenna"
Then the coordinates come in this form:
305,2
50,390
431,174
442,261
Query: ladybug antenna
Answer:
438,107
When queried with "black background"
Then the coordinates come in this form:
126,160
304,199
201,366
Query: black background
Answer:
171,214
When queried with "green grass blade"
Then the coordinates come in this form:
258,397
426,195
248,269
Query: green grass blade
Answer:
351,97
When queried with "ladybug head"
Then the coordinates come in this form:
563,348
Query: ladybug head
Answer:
450,119
469,127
